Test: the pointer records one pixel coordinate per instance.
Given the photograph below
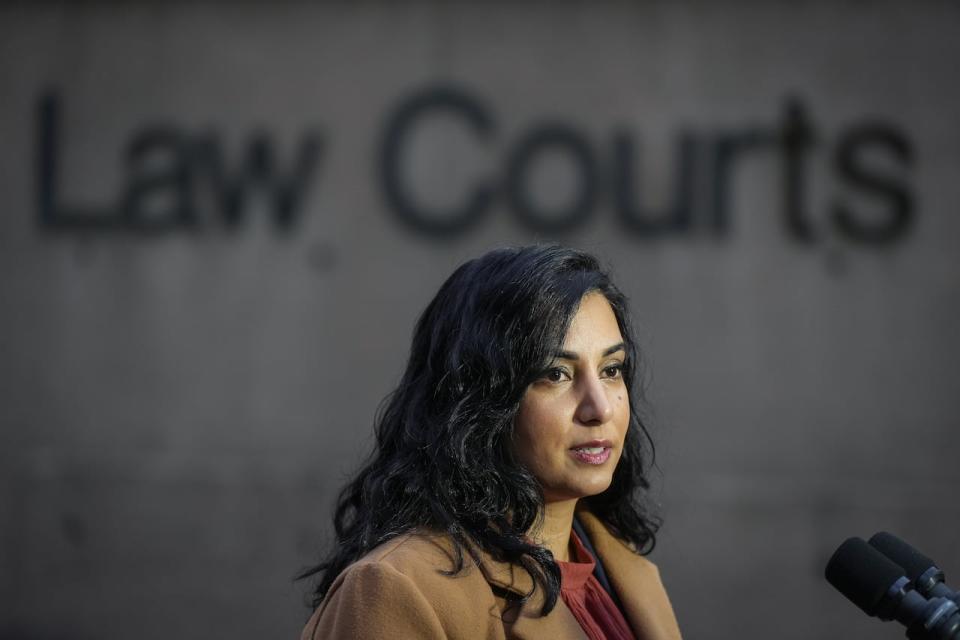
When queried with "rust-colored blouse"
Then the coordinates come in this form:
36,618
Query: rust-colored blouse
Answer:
593,607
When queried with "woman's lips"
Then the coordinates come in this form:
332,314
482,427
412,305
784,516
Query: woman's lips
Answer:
591,455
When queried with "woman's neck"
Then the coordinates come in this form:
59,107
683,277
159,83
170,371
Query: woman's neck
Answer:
557,524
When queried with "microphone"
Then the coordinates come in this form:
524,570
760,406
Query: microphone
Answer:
927,578
881,589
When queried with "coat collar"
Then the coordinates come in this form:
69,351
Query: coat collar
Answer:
634,578
509,582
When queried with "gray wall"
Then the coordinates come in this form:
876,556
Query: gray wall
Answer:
180,405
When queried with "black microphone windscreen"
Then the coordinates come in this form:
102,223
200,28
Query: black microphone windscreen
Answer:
862,574
912,561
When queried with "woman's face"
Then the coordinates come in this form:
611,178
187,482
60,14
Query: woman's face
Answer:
572,421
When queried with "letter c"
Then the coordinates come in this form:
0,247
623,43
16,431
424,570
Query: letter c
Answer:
397,130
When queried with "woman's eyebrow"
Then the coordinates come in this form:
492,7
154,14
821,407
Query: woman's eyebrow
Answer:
571,355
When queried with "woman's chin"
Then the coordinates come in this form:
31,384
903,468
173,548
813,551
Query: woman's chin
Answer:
582,489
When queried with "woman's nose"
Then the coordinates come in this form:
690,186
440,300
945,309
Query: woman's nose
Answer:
595,407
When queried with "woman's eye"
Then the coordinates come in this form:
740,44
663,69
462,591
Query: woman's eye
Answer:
556,374
613,371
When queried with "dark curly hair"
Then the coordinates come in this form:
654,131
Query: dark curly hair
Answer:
443,460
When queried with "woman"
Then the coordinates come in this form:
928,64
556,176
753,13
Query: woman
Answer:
504,498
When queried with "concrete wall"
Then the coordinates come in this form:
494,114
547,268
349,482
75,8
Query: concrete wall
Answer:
181,398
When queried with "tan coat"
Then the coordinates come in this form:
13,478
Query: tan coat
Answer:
397,591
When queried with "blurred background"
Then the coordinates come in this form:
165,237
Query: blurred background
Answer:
221,220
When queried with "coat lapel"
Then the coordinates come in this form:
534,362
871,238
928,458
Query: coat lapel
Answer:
510,581
559,624
636,581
